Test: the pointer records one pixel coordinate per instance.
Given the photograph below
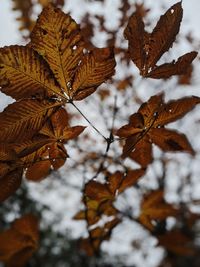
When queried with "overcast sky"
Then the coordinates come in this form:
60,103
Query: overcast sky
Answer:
8,26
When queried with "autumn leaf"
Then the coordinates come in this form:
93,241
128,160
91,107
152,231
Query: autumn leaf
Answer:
92,244
177,242
52,155
147,126
53,69
10,181
18,243
25,9
57,37
154,208
146,49
22,119
25,74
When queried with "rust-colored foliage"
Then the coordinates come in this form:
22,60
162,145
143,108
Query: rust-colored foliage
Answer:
99,203
59,66
26,9
154,208
18,243
53,69
146,49
147,126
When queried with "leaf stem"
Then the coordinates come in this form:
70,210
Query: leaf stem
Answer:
91,124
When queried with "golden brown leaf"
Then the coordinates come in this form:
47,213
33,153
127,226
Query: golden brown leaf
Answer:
94,69
97,191
23,73
154,207
56,37
22,119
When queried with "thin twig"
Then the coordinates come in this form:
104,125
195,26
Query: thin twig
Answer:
91,124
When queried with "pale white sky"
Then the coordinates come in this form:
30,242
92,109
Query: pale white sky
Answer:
8,25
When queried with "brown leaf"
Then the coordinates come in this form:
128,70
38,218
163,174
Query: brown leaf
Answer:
25,74
169,140
22,119
59,121
114,181
25,9
142,152
56,37
164,34
179,67
57,155
130,179
97,191
147,126
135,33
176,109
28,226
94,69
18,243
38,171
146,49
7,153
97,236
177,242
9,183
154,207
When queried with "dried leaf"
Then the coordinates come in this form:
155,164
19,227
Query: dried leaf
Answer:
147,126
130,179
25,74
146,49
154,207
176,109
97,191
164,33
58,39
22,119
135,33
9,183
38,171
94,69
179,67
18,243
169,140
25,9
142,153
177,242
